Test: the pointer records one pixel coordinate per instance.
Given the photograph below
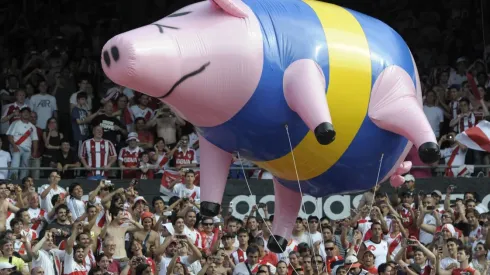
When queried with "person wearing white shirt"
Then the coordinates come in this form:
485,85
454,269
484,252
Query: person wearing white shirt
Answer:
434,113
46,257
47,191
74,201
5,161
188,189
44,105
23,139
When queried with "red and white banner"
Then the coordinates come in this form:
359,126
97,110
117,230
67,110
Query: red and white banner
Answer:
476,138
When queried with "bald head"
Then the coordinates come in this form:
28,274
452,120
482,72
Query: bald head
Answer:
37,271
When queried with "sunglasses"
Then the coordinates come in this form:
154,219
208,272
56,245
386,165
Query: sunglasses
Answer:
329,248
207,224
324,224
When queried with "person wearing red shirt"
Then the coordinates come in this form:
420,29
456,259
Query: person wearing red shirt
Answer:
329,251
185,156
129,156
264,257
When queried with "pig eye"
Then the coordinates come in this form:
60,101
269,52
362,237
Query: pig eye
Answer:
161,27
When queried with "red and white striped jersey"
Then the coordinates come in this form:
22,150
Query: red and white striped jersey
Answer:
292,246
183,158
10,109
194,235
137,112
130,157
37,215
466,122
73,268
97,154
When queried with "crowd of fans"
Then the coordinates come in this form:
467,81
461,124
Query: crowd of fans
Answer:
60,111
115,231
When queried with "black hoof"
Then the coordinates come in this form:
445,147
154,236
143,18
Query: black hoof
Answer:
429,152
324,133
277,244
209,209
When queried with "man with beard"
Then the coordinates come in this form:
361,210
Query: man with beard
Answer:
169,248
74,255
61,226
47,256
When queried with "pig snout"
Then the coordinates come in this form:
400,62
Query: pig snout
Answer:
141,62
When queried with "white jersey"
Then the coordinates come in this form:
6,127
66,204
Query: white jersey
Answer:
394,244
46,202
37,215
49,261
76,207
23,133
380,251
182,191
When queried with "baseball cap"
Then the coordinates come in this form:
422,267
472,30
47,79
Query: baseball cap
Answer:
437,192
25,109
407,193
352,261
140,198
6,265
409,177
146,215
133,136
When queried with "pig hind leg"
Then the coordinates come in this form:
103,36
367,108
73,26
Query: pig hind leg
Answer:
394,107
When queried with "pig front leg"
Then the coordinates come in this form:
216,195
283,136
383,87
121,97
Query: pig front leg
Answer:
286,208
215,165
394,107
304,90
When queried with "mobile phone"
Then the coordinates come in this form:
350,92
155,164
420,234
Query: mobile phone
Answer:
430,207
261,205
411,242
167,213
181,237
452,187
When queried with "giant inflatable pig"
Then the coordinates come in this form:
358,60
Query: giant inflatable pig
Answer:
312,92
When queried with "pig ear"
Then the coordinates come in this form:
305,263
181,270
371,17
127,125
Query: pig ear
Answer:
233,7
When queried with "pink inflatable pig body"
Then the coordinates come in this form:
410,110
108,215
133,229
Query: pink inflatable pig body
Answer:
242,71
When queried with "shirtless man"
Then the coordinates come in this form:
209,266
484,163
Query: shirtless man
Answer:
149,239
117,226
167,123
5,206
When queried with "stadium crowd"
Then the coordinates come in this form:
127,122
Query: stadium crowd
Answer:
60,111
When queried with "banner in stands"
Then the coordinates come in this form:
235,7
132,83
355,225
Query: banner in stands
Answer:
238,197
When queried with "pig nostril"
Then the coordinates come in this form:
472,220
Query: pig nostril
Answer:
107,58
115,53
